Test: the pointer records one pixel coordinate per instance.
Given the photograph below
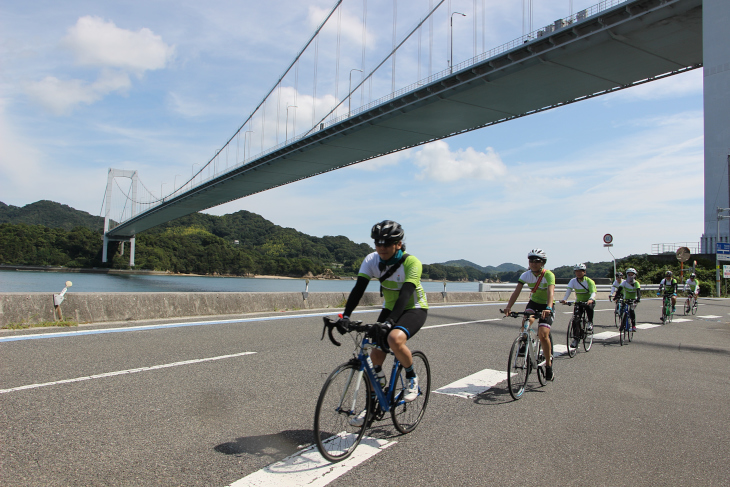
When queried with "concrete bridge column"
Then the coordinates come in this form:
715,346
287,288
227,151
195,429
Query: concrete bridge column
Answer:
716,61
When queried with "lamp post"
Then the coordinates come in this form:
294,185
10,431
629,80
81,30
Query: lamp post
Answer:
451,56
286,129
349,92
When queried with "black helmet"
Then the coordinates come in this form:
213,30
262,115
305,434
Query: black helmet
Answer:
387,232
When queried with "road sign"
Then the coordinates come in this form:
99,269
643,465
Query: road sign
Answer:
722,250
608,239
726,271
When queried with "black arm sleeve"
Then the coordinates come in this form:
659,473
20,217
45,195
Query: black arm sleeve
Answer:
356,294
405,295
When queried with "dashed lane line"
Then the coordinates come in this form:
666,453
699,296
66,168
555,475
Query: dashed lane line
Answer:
122,372
308,467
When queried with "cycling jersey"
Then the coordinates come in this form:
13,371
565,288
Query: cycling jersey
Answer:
615,286
693,285
670,287
410,271
630,291
584,290
540,296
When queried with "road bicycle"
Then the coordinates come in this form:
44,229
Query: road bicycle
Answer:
667,313
347,393
690,305
577,328
617,311
525,356
625,330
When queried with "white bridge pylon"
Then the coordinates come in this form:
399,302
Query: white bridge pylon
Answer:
119,173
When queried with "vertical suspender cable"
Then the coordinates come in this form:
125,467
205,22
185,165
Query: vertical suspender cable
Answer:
484,26
314,86
430,39
337,62
474,23
364,43
448,32
395,18
296,95
418,77
278,111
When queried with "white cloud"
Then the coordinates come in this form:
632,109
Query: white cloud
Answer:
96,42
350,28
438,162
671,87
61,96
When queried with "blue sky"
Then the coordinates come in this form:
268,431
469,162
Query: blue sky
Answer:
160,86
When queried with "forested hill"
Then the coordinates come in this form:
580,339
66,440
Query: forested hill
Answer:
490,269
51,215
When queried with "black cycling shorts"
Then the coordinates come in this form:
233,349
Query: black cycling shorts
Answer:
546,322
410,321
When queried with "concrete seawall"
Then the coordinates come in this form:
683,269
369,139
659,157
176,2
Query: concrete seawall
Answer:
33,308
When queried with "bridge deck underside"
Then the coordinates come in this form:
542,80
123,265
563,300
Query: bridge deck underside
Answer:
587,58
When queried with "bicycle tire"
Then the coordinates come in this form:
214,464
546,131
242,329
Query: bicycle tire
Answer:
694,307
571,350
587,338
621,329
339,401
518,368
407,415
541,363
629,333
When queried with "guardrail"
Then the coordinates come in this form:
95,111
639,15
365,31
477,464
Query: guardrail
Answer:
510,286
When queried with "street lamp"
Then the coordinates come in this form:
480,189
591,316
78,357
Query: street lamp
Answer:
349,92
286,130
451,28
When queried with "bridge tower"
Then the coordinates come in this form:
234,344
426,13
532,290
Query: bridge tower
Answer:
716,62
119,173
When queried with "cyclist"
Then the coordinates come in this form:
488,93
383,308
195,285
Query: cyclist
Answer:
585,292
669,285
405,308
694,287
542,283
616,284
630,289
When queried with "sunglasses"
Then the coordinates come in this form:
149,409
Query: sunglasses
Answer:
388,244
535,259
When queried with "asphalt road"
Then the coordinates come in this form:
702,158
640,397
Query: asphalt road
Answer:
653,412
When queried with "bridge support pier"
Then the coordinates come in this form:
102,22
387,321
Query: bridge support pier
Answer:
716,80
105,248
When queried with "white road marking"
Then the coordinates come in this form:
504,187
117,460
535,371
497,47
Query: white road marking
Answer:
605,335
122,372
559,349
646,326
475,384
461,323
308,467
710,317
680,320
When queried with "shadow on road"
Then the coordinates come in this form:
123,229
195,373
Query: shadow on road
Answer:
275,446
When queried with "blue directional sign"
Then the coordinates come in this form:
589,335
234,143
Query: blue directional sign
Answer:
722,250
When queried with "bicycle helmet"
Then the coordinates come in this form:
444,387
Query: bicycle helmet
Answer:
537,254
387,232
619,274
579,267
693,275
668,273
631,270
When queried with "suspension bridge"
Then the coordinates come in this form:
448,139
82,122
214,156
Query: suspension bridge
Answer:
308,124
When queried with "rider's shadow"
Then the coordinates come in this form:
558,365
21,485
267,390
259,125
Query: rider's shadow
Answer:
498,395
274,447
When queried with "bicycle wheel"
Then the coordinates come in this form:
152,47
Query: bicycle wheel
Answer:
694,307
407,415
621,329
344,395
570,338
629,332
587,338
541,363
518,368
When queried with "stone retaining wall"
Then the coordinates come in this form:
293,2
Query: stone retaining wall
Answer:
32,308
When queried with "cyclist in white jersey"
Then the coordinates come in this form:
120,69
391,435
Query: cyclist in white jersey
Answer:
694,286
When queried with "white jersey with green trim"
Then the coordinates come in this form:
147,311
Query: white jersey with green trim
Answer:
585,290
693,285
615,285
410,271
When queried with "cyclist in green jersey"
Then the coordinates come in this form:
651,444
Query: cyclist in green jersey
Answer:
669,286
585,292
630,289
405,308
542,283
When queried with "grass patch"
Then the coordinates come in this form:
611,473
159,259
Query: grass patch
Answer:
23,326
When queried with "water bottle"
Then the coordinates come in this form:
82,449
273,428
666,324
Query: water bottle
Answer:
380,376
369,361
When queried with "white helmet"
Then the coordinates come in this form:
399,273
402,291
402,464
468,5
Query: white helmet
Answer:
579,267
539,253
631,270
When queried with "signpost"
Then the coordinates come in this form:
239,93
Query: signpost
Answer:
722,252
608,243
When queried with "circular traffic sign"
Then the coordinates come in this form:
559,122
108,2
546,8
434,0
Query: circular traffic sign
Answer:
608,238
